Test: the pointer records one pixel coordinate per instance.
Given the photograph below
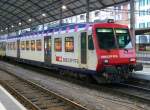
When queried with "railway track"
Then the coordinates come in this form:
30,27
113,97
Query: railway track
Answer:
138,92
120,90
35,97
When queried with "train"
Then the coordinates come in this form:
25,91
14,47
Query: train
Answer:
103,50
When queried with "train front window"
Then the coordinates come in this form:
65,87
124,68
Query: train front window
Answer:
123,38
106,38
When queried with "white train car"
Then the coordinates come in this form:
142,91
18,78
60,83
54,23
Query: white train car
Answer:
70,48
32,47
2,48
66,48
11,47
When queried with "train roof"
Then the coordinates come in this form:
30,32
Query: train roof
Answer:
67,27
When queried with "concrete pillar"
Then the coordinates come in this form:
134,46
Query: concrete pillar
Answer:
132,20
87,11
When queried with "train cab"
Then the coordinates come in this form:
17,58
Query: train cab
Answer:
115,52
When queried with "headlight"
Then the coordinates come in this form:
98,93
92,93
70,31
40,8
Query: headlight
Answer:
132,59
106,61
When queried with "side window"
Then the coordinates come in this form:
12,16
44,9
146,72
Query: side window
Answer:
33,45
27,45
49,44
90,42
22,45
14,47
7,45
69,44
38,45
0,45
58,44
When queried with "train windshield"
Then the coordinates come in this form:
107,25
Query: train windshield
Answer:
106,38
123,38
113,38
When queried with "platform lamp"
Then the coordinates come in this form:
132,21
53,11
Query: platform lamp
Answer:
2,30
12,27
19,24
30,20
7,30
63,7
43,15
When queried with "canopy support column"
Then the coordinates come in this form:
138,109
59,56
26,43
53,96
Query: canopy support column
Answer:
87,11
132,21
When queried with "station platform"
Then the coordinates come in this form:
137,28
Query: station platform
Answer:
144,74
8,102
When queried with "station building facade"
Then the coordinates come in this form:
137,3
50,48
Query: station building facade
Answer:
143,15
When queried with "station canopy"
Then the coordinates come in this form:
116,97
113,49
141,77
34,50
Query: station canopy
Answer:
35,12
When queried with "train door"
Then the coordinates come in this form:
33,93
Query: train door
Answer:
91,53
83,45
18,48
47,49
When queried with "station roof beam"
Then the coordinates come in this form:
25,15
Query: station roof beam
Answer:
15,11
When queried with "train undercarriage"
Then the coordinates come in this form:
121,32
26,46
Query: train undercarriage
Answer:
116,74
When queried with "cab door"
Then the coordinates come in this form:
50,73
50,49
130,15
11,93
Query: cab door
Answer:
83,50
47,49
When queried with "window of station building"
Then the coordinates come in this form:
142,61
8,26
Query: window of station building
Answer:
142,2
27,45
148,24
82,17
58,44
142,13
33,45
69,44
22,45
148,2
142,25
144,44
38,45
90,42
